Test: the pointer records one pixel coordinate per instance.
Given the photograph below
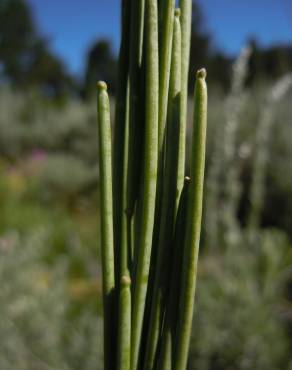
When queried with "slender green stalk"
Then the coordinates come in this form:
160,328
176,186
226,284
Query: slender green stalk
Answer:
166,354
186,24
167,11
136,104
149,178
120,153
165,46
124,310
166,17
124,325
106,205
168,211
120,147
193,227
124,248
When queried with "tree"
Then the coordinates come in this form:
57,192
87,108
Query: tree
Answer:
101,65
48,72
204,54
17,36
25,58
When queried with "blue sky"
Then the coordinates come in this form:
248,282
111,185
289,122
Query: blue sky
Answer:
73,25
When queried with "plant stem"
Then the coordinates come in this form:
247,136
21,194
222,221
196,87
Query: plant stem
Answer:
193,227
136,104
149,178
168,205
165,46
124,326
106,205
167,12
166,17
186,23
166,354
120,152
121,138
124,311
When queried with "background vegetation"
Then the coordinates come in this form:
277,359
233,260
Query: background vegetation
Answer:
50,311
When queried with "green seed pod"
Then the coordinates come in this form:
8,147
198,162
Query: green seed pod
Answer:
166,354
106,218
186,23
136,122
149,178
169,201
120,147
193,226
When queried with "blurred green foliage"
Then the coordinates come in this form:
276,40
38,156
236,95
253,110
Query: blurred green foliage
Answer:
241,307
37,326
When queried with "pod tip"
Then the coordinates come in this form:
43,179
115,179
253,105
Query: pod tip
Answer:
177,12
102,85
201,73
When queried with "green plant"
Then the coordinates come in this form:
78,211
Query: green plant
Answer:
240,307
39,326
142,232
